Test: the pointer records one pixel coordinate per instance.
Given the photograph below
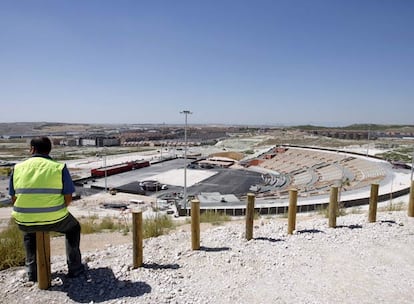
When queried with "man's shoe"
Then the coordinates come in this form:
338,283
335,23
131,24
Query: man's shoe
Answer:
32,277
77,272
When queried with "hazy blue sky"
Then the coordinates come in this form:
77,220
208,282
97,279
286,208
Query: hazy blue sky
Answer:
246,62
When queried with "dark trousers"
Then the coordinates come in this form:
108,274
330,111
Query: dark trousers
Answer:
68,226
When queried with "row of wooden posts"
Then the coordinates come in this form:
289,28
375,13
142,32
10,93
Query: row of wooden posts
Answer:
43,239
292,209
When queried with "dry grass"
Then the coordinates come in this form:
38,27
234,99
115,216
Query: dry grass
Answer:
11,247
392,207
214,218
93,224
157,225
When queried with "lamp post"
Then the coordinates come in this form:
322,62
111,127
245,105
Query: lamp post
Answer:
186,113
106,174
369,133
161,153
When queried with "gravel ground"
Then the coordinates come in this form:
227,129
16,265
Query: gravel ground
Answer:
358,262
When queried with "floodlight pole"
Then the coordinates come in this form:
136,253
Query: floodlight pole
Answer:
186,113
106,174
161,153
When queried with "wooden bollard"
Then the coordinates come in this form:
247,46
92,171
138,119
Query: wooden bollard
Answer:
44,274
249,216
195,224
373,201
137,239
333,207
293,198
411,201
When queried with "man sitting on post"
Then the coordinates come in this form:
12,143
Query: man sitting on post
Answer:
41,190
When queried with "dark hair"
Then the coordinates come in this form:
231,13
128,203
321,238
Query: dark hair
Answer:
42,145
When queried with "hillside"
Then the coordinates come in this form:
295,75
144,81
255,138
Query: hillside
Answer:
51,127
39,128
358,262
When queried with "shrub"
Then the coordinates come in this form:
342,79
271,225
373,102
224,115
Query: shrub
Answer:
324,210
11,247
89,226
157,225
108,224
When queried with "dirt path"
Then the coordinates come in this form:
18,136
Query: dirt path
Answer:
91,242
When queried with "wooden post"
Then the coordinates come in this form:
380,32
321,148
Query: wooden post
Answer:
373,201
411,202
195,224
44,276
249,216
137,239
333,207
293,197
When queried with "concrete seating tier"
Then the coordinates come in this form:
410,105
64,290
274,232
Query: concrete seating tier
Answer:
316,171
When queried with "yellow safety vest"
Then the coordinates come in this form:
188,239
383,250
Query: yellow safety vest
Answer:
38,188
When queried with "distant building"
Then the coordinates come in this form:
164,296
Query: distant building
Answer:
99,141
107,141
87,142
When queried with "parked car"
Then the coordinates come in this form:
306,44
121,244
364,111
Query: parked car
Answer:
152,185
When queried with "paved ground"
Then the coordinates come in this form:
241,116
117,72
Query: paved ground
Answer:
225,181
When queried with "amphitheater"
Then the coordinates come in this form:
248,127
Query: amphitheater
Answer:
313,171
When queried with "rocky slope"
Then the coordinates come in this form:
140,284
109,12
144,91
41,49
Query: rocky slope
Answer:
357,262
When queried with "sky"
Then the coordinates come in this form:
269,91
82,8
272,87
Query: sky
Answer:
261,62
